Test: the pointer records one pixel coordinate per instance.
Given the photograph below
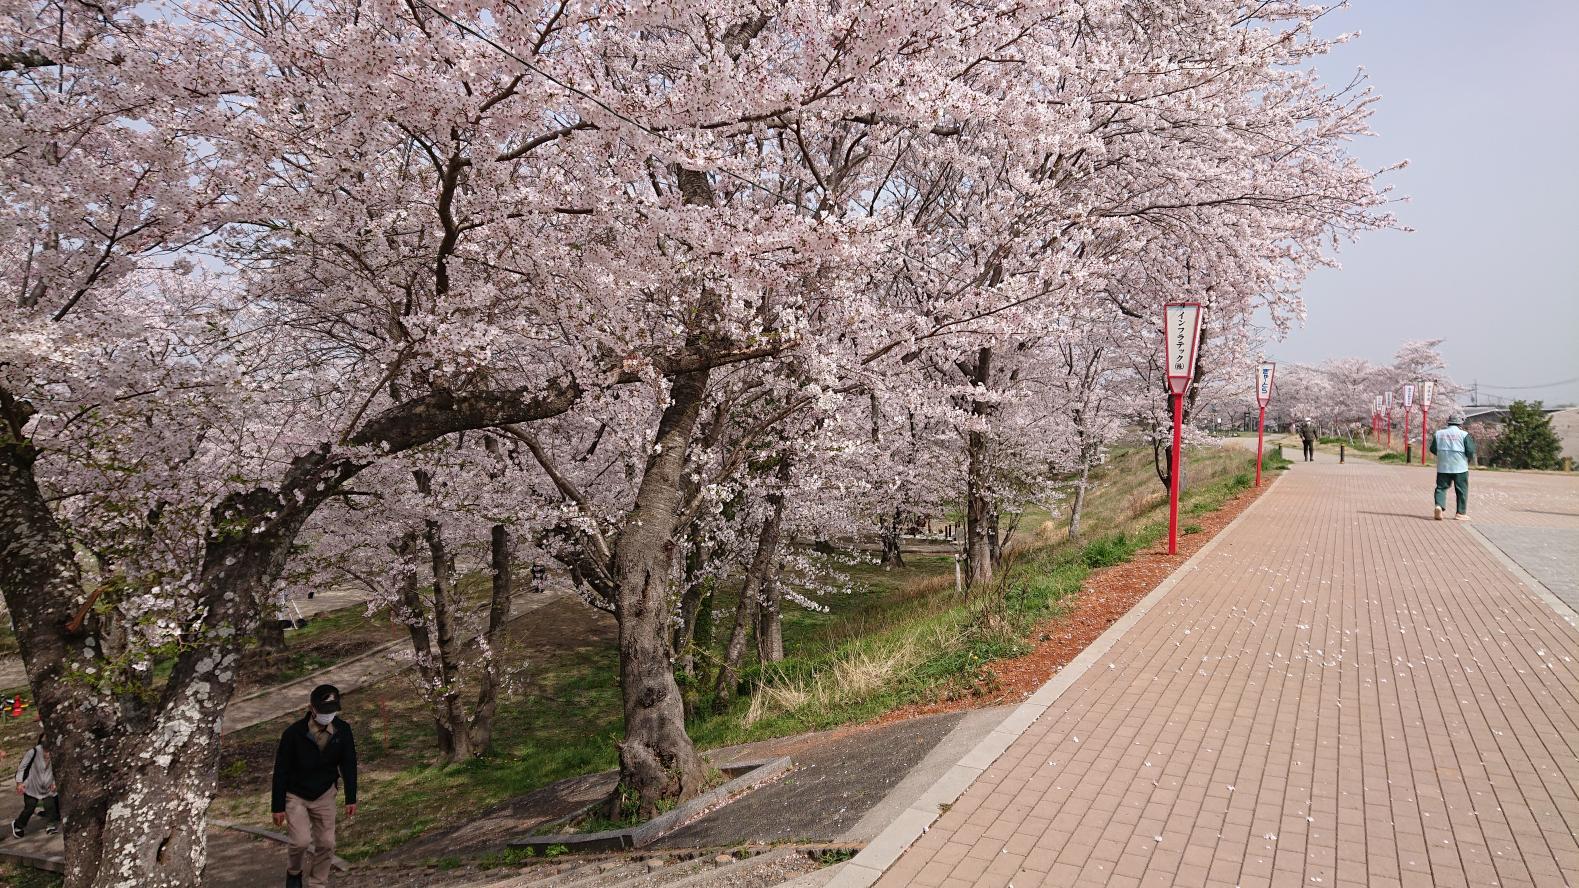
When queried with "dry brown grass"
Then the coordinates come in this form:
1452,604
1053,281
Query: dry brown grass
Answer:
854,676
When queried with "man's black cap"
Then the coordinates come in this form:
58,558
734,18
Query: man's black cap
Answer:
326,699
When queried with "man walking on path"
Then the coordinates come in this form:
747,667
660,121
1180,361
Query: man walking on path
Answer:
35,782
1454,450
1307,434
315,754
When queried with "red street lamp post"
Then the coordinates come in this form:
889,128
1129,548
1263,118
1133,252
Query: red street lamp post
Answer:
1409,400
1425,415
1387,407
1264,375
1181,325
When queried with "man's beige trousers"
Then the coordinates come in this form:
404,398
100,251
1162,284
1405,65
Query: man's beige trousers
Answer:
311,823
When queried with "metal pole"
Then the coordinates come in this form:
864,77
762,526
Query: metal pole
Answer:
1425,423
1260,435
1173,476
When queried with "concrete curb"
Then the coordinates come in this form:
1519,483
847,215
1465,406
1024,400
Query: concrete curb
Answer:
337,863
753,774
1536,587
866,867
53,863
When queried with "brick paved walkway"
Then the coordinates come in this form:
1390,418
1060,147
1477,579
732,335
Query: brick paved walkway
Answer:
1341,692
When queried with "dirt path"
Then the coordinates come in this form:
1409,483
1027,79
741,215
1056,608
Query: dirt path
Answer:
377,664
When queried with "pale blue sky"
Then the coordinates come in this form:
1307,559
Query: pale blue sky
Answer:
1483,100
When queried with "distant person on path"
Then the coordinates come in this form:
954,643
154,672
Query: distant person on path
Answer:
315,754
35,783
1307,434
1454,450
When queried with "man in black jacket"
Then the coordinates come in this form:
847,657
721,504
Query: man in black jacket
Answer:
315,754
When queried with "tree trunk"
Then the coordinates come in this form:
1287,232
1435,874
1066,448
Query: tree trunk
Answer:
693,587
978,551
1078,509
481,725
978,506
994,539
454,739
271,633
770,619
770,596
657,759
893,541
735,651
754,591
135,775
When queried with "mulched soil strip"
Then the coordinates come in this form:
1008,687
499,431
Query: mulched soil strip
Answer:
1107,594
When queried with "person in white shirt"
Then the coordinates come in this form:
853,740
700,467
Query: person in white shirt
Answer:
1454,450
35,782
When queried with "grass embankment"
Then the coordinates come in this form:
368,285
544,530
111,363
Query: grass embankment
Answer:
899,637
923,643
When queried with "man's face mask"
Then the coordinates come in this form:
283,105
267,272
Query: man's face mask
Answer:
323,719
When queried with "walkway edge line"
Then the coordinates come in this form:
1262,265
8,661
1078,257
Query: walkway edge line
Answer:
338,863
1536,587
868,866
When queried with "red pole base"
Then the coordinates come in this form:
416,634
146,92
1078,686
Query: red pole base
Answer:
1173,476
1260,438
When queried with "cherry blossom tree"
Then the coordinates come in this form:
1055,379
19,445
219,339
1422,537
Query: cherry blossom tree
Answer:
671,250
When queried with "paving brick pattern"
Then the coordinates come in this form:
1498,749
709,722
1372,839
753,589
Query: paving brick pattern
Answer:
1341,693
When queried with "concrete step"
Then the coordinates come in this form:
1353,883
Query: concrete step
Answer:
608,872
548,875
780,866
670,872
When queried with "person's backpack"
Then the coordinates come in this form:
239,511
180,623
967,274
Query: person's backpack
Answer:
27,767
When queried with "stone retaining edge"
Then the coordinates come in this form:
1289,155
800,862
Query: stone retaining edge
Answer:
756,772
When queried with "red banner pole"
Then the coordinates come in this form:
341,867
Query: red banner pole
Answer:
1173,476
1260,435
1389,430
1425,423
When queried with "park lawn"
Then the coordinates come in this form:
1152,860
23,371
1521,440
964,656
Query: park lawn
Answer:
898,637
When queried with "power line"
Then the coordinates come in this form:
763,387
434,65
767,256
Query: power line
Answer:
1541,386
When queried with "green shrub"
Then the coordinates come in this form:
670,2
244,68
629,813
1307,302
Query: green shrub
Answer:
1108,551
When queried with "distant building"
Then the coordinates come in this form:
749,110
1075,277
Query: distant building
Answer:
1565,422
